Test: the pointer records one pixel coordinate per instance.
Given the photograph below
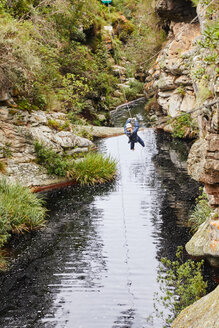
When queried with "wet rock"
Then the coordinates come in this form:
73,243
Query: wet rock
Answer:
201,314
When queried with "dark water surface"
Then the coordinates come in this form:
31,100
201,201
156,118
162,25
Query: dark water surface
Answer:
95,266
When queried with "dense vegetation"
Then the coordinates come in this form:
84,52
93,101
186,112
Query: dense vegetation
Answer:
181,284
56,55
20,211
92,168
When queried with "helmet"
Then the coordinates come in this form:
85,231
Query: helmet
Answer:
128,126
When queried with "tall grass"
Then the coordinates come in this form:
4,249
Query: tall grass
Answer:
20,210
94,168
200,213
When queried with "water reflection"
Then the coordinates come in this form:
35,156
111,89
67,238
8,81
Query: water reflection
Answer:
95,265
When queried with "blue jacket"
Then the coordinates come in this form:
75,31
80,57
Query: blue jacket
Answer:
132,137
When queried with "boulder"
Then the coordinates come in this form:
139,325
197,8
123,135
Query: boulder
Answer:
166,82
188,102
195,246
175,102
202,314
196,159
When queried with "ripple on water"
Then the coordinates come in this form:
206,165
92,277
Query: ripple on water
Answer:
96,264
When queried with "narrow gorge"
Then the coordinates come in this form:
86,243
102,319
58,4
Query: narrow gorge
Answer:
71,72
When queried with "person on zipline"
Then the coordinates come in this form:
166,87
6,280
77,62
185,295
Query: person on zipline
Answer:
132,133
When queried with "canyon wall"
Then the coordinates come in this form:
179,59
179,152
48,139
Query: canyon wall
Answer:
185,79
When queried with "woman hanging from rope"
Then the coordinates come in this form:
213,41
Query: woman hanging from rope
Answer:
132,133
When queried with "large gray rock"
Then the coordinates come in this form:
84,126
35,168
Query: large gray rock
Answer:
195,246
202,314
196,159
18,132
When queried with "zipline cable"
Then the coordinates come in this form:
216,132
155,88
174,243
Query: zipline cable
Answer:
126,245
188,112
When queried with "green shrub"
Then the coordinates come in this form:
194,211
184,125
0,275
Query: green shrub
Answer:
136,87
20,210
94,168
6,150
181,284
200,213
210,36
83,132
53,162
183,124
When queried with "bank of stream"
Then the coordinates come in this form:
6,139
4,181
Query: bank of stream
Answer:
96,263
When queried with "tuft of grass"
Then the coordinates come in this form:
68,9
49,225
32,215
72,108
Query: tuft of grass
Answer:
2,167
91,169
94,168
20,210
201,212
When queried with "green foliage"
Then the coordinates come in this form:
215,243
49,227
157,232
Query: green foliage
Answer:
181,91
73,89
58,126
195,2
6,150
75,119
210,36
200,213
182,125
211,58
198,73
53,162
20,210
83,132
24,104
135,88
181,284
94,168
55,53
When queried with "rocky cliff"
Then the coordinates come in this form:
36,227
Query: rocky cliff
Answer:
185,79
19,130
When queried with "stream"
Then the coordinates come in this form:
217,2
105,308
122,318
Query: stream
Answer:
96,263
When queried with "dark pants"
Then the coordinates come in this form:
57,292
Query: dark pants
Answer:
138,139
